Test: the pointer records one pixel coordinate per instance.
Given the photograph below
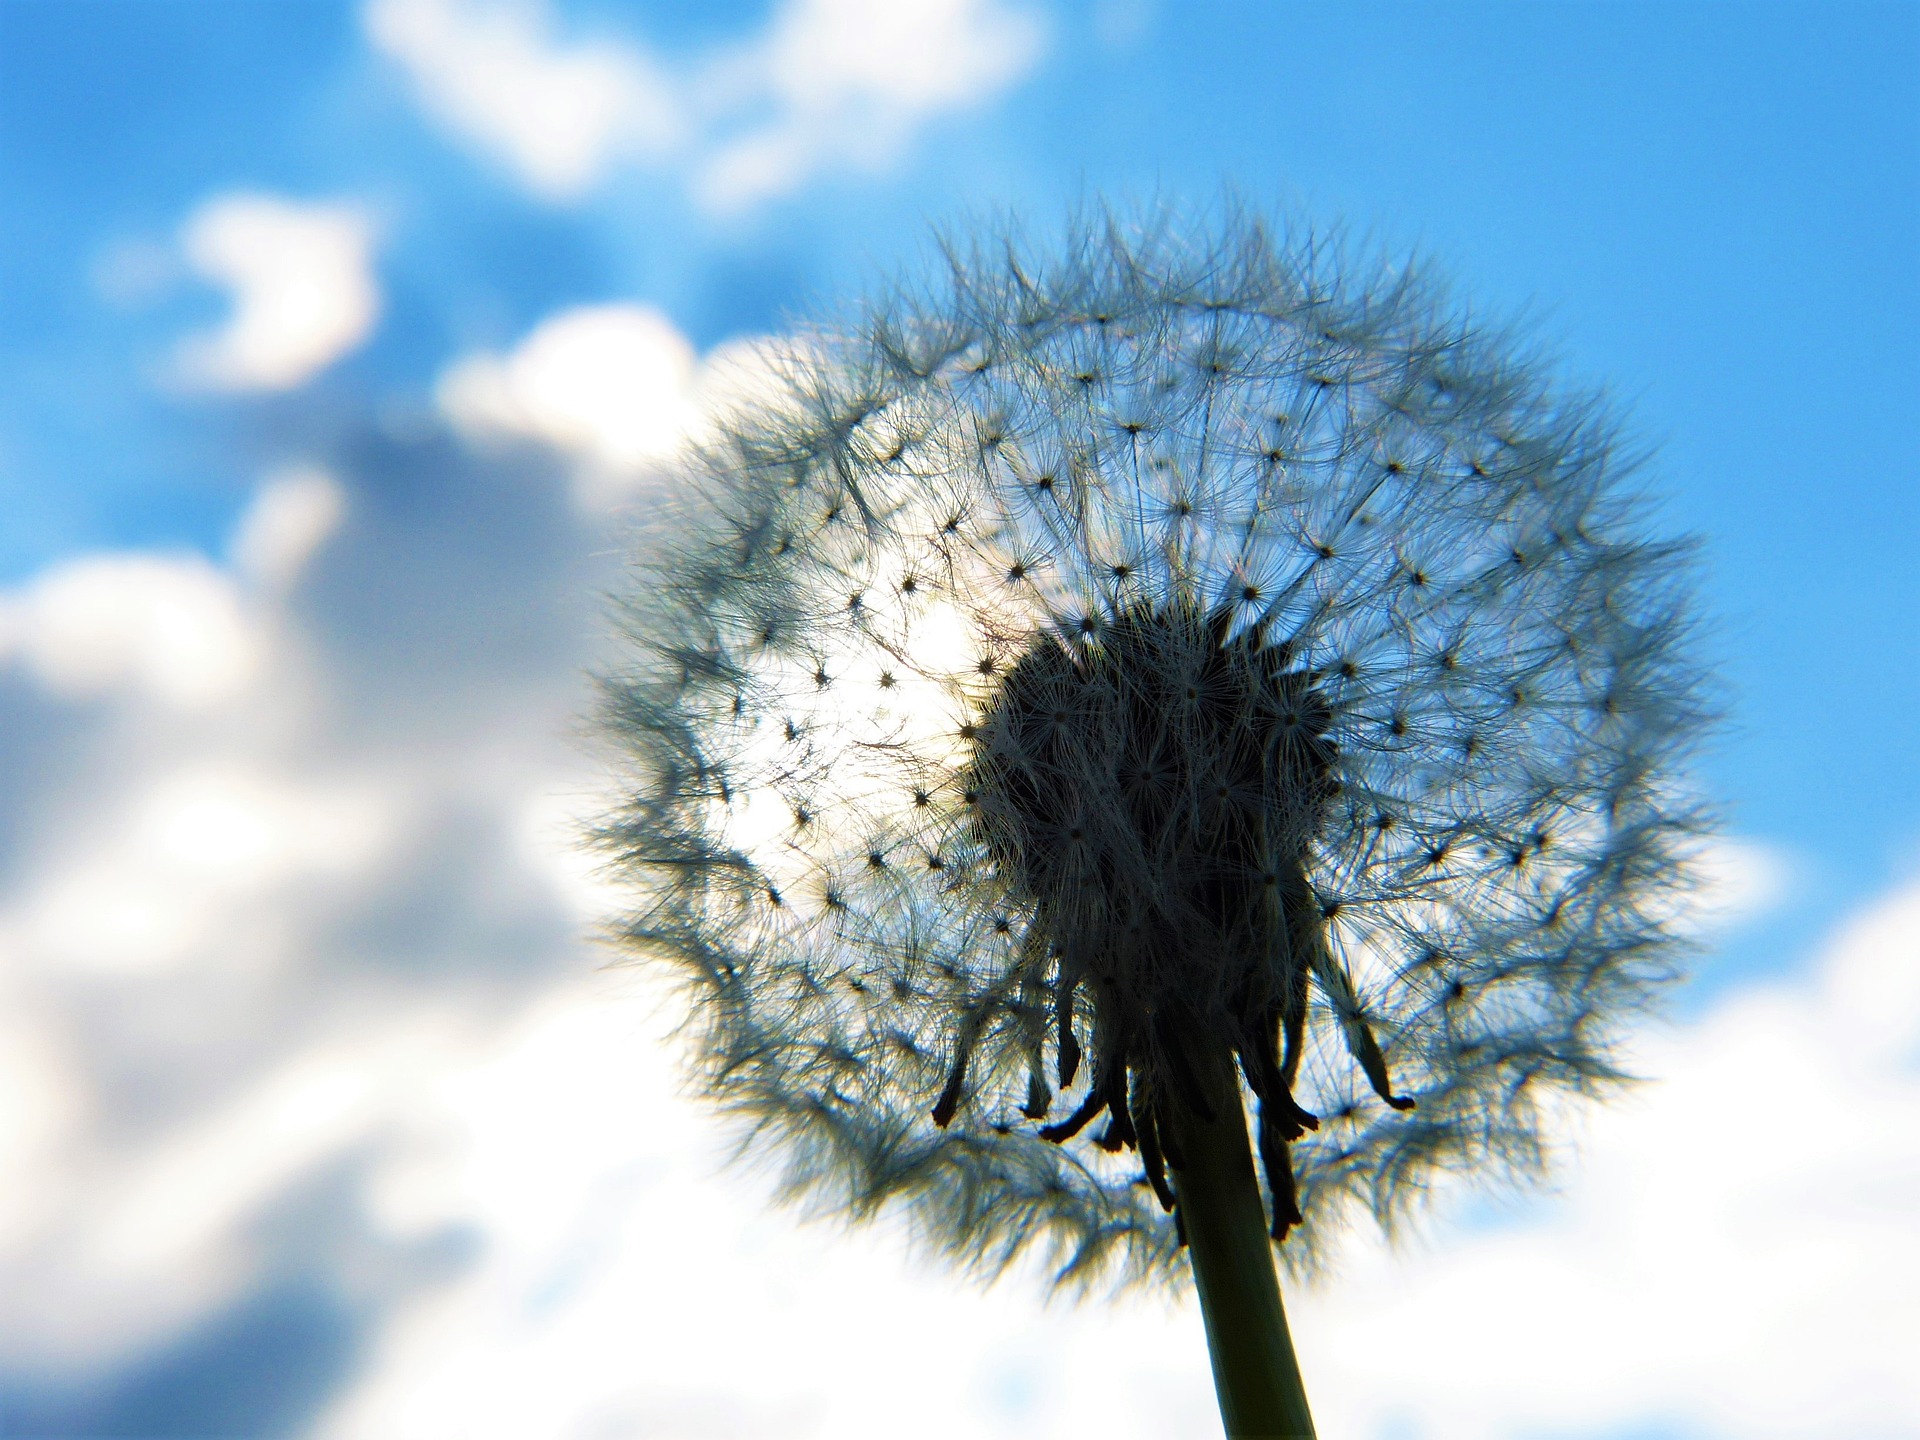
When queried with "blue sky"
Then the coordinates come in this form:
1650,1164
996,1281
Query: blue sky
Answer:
1710,210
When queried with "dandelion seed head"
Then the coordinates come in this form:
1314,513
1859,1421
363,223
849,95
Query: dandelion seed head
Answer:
1179,644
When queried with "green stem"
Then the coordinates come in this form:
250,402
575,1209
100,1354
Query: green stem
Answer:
1255,1374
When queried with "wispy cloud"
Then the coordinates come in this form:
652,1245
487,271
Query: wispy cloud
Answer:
303,291
825,84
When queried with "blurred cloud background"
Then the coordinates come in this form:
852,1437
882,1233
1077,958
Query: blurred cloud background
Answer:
341,345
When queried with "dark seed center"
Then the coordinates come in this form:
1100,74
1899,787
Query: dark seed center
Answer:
1187,766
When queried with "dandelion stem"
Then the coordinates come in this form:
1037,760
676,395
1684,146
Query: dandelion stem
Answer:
1255,1375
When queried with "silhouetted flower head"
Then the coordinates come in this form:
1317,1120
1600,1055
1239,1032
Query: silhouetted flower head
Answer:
1175,645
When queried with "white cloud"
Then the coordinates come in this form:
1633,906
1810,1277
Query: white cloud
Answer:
215,843
825,83
1740,879
44,1110
175,1053
292,515
610,383
174,628
301,277
851,81
181,1201
558,114
1733,1254
177,852
615,387
1869,987
642,1290
179,866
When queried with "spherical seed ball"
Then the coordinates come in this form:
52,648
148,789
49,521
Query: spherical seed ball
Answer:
1180,645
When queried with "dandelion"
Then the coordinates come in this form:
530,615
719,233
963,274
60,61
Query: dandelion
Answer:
1143,754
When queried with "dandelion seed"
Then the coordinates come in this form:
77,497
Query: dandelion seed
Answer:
1248,812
